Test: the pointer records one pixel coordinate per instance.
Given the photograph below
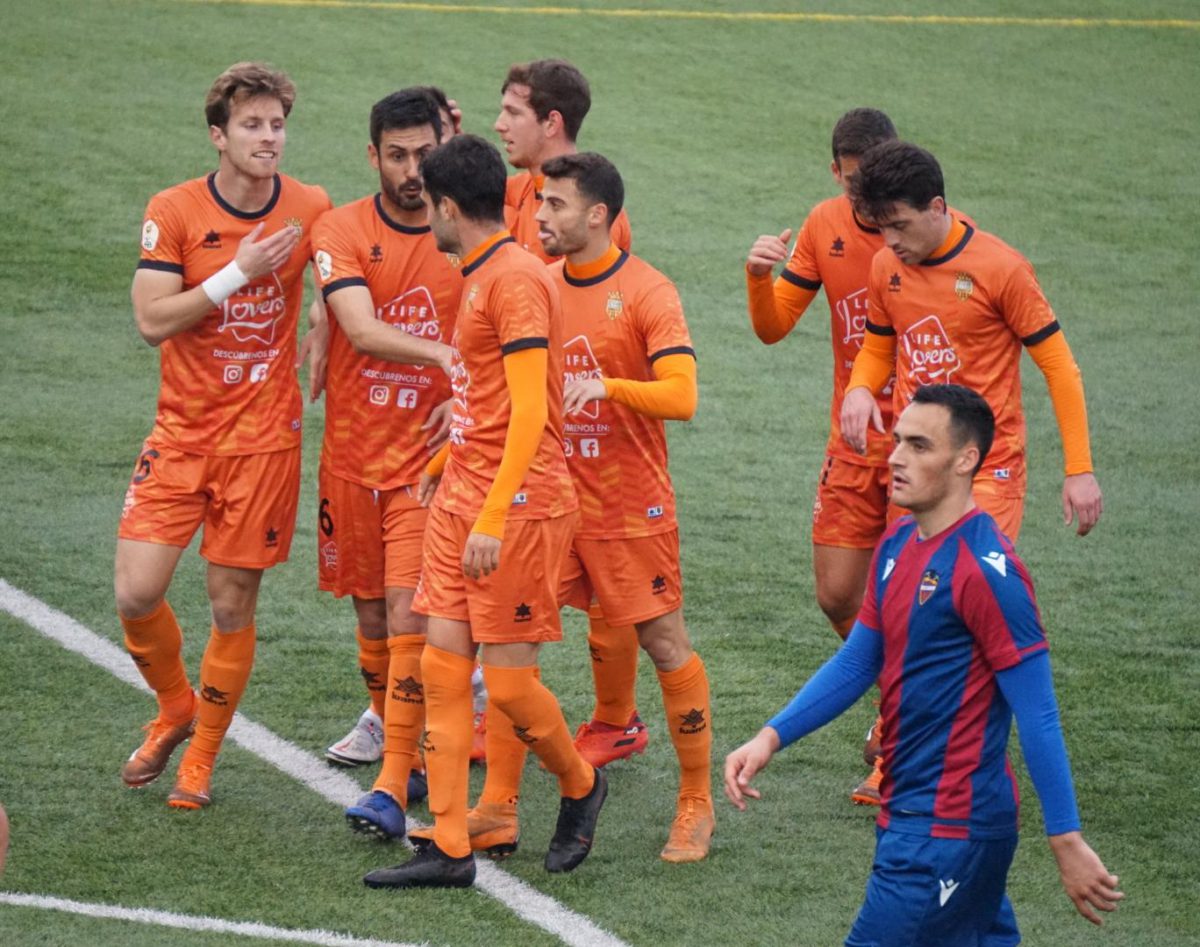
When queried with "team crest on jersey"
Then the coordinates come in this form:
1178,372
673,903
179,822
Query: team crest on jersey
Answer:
931,356
963,286
149,235
295,223
471,294
454,260
615,305
324,265
929,584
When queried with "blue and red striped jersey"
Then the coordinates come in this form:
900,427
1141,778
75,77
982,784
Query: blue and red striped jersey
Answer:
953,610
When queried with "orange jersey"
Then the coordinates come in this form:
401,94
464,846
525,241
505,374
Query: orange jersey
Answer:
509,303
228,384
523,199
617,322
962,317
374,408
834,250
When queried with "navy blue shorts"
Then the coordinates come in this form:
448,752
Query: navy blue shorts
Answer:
935,892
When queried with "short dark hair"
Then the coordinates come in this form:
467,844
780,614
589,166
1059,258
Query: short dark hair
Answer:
594,175
408,108
971,418
470,172
893,172
242,81
859,130
554,86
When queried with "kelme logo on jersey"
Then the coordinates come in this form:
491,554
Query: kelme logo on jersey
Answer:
929,584
251,313
149,235
579,364
963,286
615,305
929,352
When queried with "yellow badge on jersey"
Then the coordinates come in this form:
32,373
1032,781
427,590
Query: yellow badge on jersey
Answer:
471,294
296,224
963,286
615,305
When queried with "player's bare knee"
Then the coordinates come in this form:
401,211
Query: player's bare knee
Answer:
372,615
134,601
233,595
666,641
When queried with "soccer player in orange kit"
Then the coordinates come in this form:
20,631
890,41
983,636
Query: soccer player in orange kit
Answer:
218,290
500,526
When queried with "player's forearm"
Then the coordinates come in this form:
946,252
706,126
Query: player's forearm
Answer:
1065,383
368,335
875,362
840,681
775,307
525,374
161,318
1029,690
672,396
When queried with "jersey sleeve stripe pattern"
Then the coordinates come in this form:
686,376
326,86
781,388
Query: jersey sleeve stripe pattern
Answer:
160,265
800,281
331,288
674,350
520,345
1041,335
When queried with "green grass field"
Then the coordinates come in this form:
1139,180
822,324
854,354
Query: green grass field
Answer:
1078,143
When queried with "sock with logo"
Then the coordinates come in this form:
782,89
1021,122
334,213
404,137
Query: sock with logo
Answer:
689,717
614,669
538,722
156,645
505,756
373,661
448,734
404,715
224,671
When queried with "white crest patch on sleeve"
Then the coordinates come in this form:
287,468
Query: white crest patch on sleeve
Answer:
149,235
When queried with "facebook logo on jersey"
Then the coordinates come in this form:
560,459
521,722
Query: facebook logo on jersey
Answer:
589,447
406,398
259,372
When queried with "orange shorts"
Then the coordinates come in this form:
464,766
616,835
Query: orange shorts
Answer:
367,540
850,509
1007,511
634,580
247,503
519,601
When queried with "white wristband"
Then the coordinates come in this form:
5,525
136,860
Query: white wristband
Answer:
224,283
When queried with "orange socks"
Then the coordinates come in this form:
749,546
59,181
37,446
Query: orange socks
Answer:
156,646
505,756
614,669
224,671
448,732
404,715
537,721
373,661
689,716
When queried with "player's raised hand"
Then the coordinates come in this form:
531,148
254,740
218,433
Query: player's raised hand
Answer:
578,393
859,408
257,257
767,251
439,421
746,762
481,555
455,118
1081,497
1087,882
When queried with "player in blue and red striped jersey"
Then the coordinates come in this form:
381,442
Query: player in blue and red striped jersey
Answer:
950,628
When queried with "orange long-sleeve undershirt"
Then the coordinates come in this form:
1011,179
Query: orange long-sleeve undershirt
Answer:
437,463
1065,381
671,396
875,362
525,375
775,308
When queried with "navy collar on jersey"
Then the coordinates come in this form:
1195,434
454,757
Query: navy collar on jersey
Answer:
599,277
860,225
241,214
395,224
954,250
487,255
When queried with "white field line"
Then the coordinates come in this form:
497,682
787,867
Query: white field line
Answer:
526,902
192,922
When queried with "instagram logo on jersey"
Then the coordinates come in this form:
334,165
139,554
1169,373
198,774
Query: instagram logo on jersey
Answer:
250,314
412,312
852,310
931,355
579,364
